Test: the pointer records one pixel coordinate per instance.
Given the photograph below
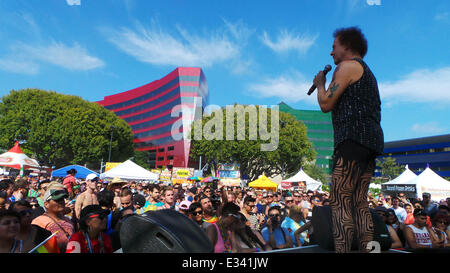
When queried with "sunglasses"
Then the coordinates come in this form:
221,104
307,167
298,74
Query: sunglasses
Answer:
297,196
195,213
442,222
274,215
289,201
269,195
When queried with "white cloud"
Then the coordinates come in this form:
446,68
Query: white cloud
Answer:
73,58
422,86
287,41
27,59
73,2
157,46
442,16
19,66
428,128
289,87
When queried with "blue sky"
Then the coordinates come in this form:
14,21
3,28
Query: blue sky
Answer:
252,52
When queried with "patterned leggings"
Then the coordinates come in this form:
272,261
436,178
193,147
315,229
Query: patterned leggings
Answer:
353,168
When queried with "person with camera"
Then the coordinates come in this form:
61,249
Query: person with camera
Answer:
276,236
250,212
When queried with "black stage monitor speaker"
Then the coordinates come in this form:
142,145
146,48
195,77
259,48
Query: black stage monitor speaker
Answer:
163,231
323,235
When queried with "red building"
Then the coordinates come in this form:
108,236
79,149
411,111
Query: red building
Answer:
153,113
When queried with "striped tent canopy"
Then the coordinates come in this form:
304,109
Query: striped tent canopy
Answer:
15,158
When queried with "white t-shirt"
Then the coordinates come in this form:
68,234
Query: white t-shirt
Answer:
401,214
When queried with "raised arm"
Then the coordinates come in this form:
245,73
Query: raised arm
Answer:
346,73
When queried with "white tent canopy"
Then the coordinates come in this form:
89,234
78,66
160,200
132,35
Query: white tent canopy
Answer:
404,178
130,171
311,184
431,182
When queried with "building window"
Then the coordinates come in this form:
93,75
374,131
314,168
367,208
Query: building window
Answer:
161,158
160,167
170,167
170,148
152,155
170,157
161,150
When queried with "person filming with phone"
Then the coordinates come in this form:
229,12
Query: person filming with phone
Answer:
276,236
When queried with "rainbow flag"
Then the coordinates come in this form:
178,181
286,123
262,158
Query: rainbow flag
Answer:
213,220
49,245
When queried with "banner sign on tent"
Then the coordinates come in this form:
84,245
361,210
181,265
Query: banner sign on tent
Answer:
156,171
399,188
110,165
288,185
165,175
228,170
437,193
231,182
180,175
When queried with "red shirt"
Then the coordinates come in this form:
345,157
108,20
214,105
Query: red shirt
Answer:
69,181
79,244
410,220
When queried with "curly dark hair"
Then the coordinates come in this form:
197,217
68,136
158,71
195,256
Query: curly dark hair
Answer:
353,38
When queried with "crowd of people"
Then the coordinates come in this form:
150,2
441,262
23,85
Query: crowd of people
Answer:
85,216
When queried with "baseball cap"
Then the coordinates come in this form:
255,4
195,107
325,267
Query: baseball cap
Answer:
390,212
55,194
139,200
92,177
184,205
92,210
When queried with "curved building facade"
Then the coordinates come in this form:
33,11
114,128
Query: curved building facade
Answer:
160,114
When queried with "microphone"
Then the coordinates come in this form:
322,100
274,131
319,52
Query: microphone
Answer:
325,71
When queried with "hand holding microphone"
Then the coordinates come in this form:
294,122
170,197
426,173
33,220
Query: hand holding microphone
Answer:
325,71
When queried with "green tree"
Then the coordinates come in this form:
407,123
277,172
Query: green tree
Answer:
389,168
142,158
293,149
59,129
316,173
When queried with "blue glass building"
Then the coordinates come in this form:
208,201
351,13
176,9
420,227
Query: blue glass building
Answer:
418,152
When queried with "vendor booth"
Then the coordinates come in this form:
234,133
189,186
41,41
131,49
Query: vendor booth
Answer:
82,172
129,170
427,181
301,178
263,183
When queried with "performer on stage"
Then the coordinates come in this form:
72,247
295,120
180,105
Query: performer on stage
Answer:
354,100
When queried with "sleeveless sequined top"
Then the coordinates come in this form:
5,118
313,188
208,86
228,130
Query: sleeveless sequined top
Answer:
357,113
